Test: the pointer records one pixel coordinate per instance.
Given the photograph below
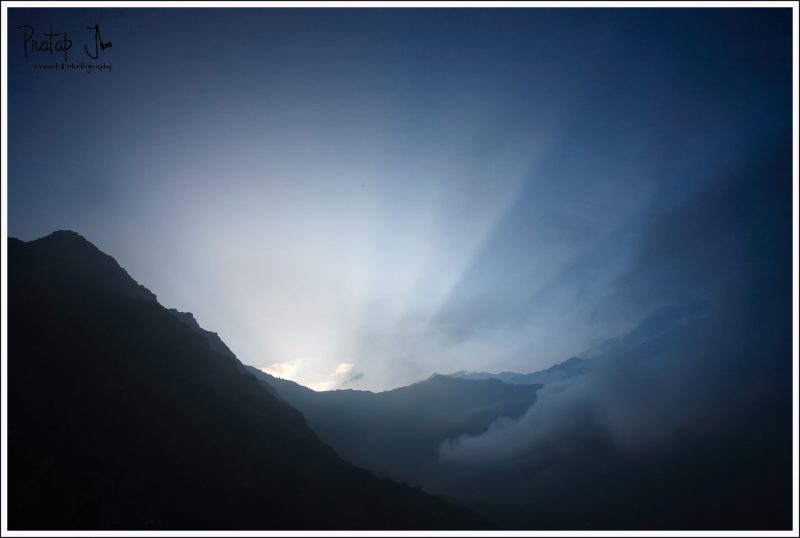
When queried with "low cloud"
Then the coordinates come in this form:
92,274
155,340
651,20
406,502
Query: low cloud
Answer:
560,408
714,275
353,377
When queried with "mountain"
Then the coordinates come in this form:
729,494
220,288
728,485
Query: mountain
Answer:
213,339
576,471
397,433
562,371
125,415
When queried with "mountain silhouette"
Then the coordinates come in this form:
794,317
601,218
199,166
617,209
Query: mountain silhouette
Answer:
213,339
397,433
123,414
577,477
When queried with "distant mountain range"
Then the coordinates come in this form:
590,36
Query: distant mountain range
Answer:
578,476
560,372
397,433
126,415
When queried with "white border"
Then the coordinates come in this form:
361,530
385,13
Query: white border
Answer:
400,3
4,283
388,4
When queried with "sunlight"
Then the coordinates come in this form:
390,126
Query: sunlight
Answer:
284,370
344,368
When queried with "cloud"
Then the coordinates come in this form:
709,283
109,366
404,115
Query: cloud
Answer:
713,279
352,378
344,368
559,409
284,370
339,376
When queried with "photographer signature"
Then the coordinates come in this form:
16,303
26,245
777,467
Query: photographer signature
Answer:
54,42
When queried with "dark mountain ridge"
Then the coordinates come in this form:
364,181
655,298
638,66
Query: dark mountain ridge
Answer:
123,416
213,339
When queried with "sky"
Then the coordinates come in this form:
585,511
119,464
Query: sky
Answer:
359,198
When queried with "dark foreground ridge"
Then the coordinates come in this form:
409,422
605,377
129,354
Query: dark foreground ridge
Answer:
122,416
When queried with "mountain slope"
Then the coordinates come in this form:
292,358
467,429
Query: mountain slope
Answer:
397,433
122,416
574,472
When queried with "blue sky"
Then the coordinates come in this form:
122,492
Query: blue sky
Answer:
398,192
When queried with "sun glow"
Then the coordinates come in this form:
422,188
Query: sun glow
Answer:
341,375
284,370
344,368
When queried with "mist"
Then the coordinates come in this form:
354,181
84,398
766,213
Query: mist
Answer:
714,275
